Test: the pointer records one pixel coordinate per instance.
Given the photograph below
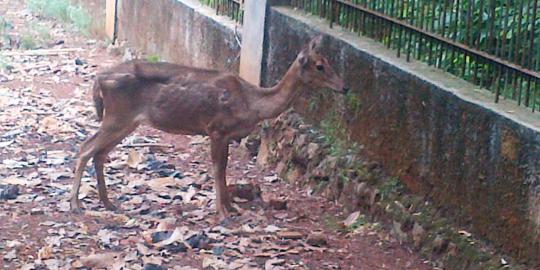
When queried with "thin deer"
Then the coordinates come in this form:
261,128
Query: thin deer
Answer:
186,100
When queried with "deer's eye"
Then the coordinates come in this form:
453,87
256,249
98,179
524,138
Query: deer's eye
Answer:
320,67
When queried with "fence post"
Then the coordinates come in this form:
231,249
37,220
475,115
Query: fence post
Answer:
252,40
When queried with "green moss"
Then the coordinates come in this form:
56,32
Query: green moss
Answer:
388,188
153,58
353,103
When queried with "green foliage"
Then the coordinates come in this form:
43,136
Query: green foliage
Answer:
80,18
61,10
28,42
4,26
5,64
153,58
37,36
392,186
334,133
501,28
353,103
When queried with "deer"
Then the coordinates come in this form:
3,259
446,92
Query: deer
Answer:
191,101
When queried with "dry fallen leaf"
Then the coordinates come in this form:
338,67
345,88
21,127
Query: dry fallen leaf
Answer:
49,124
162,184
134,159
178,235
351,219
270,264
45,252
214,262
103,260
290,235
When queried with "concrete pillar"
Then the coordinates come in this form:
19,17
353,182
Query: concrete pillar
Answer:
252,40
111,19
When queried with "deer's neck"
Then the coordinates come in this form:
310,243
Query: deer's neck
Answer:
277,99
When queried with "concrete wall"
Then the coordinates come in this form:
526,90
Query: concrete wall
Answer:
181,31
479,161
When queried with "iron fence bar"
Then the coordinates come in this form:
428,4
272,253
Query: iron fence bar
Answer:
449,42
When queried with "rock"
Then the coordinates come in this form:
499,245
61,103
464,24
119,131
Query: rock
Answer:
263,156
9,192
290,235
128,55
398,232
218,250
418,234
248,192
440,244
37,211
313,149
301,140
176,247
11,255
252,144
316,240
160,236
278,204
151,266
79,62
199,240
113,49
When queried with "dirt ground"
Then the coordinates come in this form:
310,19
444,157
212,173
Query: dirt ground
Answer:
167,218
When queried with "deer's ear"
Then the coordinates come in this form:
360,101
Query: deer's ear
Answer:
315,43
303,59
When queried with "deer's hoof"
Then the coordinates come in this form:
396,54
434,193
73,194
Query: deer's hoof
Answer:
226,211
77,210
110,206
76,207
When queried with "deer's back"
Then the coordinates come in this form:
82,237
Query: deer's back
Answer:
200,106
175,98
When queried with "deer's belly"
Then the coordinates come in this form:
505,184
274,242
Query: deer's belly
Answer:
180,120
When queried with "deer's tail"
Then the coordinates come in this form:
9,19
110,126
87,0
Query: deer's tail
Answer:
98,99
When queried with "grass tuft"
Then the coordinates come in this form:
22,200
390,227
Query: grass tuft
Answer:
61,10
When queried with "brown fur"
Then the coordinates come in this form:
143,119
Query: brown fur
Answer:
186,100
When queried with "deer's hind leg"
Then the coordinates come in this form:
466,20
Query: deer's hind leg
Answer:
97,147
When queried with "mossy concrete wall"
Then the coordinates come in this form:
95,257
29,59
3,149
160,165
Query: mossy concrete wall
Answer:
180,31
445,139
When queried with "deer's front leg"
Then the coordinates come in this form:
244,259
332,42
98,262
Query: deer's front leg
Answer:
220,153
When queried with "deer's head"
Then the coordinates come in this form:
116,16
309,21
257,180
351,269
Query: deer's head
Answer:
315,69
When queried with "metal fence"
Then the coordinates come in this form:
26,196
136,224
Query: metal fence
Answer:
492,43
230,8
